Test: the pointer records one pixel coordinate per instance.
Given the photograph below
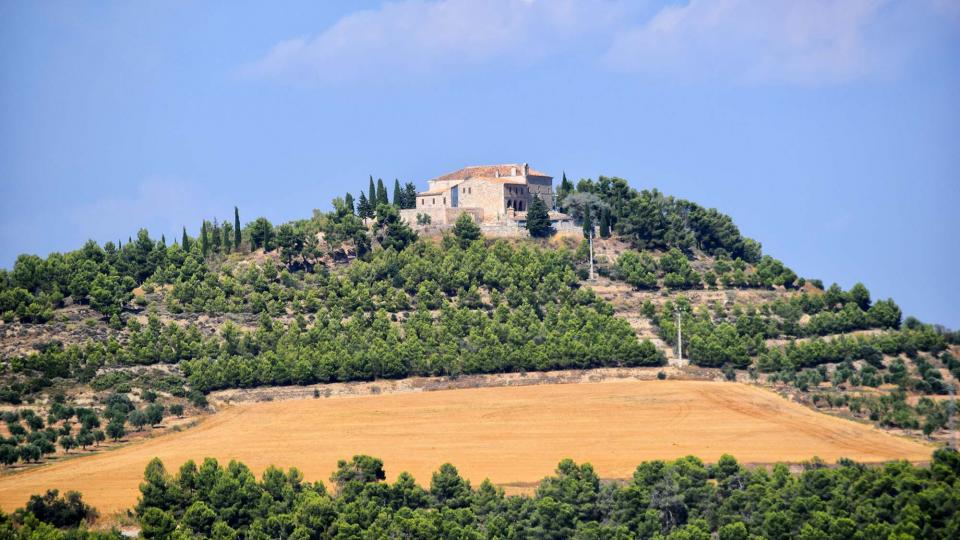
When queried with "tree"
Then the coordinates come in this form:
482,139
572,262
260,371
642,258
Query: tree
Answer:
67,443
177,410
8,454
538,220
116,429
185,241
154,413
565,188
860,295
236,228
137,419
466,230
410,195
63,512
226,237
382,197
348,201
604,223
261,234
156,523
587,222
363,206
397,194
204,239
85,438
392,232
373,197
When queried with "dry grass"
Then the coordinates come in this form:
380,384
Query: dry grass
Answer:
513,435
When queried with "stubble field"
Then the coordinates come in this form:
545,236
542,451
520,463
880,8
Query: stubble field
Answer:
513,435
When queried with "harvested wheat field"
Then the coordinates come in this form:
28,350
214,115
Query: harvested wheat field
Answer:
513,435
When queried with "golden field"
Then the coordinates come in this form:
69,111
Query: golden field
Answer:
513,435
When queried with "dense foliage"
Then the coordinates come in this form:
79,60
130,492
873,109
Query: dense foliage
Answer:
652,220
677,500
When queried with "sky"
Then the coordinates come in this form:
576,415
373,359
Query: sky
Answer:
829,130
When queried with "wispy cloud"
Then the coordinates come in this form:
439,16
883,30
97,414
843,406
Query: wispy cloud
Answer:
813,41
743,41
416,37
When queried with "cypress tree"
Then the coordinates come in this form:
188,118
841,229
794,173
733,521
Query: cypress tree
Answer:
216,237
204,240
604,223
185,241
163,240
236,228
226,237
382,197
397,194
372,200
348,200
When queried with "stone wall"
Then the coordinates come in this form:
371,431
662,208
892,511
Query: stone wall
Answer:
440,216
484,194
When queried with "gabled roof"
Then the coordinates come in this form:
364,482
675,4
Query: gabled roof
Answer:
490,171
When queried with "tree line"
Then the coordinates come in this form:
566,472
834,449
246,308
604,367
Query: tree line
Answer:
684,499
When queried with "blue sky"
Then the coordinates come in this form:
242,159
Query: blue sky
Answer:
829,130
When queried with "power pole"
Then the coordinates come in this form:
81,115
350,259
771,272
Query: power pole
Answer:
951,412
591,254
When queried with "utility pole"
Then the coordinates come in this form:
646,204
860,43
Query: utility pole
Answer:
591,254
951,412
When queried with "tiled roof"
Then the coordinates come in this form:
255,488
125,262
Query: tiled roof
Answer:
489,171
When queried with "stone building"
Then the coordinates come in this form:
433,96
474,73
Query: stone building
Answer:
490,193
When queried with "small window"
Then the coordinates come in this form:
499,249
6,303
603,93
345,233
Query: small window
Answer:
470,190
433,200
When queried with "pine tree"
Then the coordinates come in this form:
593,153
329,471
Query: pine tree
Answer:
397,194
236,228
538,220
410,192
348,200
604,223
185,241
382,197
363,206
204,240
466,230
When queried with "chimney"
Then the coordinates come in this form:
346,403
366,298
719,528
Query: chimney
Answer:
497,173
526,169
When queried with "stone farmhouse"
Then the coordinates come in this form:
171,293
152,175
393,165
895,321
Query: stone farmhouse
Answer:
495,195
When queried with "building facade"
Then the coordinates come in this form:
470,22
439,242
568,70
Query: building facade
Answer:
490,193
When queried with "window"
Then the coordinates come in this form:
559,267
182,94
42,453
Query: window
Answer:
470,190
433,200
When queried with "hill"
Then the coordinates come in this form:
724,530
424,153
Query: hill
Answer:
107,340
